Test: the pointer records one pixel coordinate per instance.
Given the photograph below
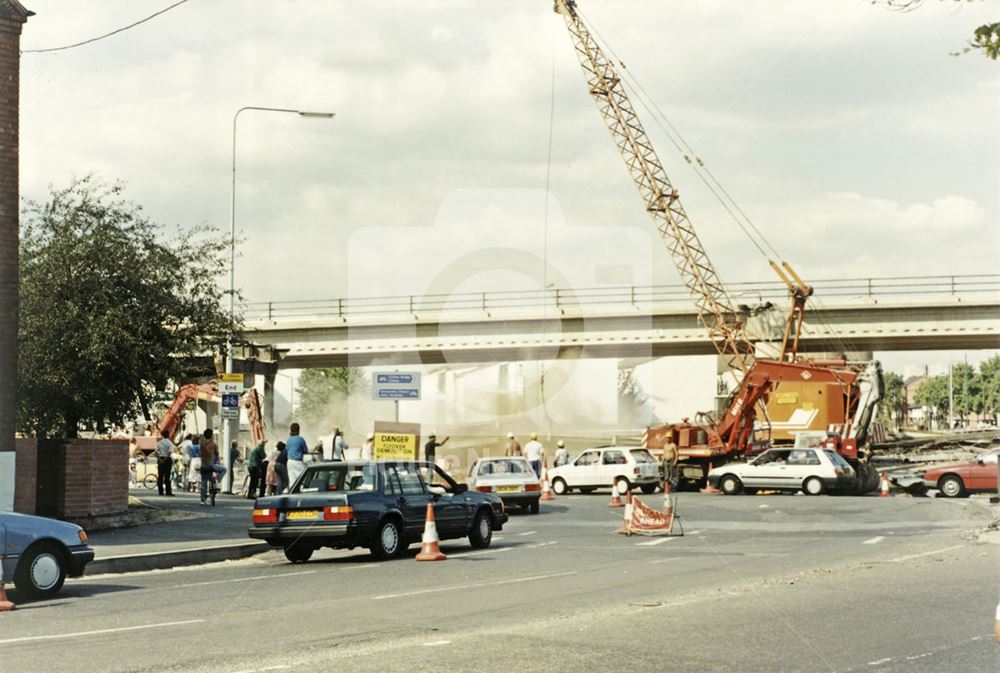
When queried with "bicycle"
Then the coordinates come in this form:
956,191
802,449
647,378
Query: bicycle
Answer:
149,478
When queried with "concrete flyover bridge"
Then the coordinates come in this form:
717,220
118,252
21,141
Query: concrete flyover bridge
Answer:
892,313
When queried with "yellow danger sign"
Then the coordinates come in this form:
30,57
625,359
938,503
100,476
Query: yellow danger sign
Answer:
395,446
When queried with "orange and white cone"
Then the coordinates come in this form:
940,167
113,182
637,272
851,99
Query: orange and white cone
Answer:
430,549
5,605
708,487
616,500
626,528
668,499
546,487
885,486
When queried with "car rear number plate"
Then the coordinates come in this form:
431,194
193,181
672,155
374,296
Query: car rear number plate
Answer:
507,489
310,515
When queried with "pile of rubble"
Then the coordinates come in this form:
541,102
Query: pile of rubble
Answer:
924,449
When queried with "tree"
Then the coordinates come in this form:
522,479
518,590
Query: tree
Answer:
112,308
933,394
891,406
323,395
989,373
985,38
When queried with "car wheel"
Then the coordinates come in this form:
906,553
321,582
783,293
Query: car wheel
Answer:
482,530
813,486
41,571
951,486
622,485
388,540
534,507
648,489
559,486
298,553
730,484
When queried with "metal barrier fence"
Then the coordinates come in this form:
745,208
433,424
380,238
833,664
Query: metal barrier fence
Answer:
556,301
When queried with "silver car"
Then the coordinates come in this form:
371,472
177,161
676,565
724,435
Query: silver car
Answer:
40,553
813,470
512,479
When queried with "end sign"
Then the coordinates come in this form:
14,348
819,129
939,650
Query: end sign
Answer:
396,385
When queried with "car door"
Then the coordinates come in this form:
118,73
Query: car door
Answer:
584,470
451,508
613,464
411,497
983,476
802,464
768,470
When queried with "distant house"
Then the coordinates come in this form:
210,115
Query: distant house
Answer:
917,415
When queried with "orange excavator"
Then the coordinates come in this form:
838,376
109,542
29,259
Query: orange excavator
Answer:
853,388
172,420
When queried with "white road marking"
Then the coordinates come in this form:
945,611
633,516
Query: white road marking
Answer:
926,553
243,579
78,634
874,540
476,585
879,662
653,543
763,506
499,550
665,560
279,667
437,643
528,532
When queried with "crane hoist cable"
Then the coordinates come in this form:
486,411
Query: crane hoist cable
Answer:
680,144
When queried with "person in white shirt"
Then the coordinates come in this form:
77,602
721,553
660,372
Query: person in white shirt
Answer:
562,455
368,450
535,453
339,445
164,462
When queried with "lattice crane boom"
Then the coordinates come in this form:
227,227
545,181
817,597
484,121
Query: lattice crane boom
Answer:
715,310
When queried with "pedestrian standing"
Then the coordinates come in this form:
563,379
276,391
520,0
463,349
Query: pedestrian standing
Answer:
511,448
339,445
209,460
368,450
670,458
535,453
430,448
296,448
280,462
194,464
164,461
562,455
179,468
255,466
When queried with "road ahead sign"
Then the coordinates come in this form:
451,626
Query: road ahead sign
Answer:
396,385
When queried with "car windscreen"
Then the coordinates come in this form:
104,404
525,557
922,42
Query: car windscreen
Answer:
342,477
504,467
836,459
642,456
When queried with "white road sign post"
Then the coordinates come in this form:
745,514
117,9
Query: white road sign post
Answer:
231,389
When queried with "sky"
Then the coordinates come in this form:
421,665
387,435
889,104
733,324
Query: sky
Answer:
466,153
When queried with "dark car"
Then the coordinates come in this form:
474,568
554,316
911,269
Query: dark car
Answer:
39,553
379,505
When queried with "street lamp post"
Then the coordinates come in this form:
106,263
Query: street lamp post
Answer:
227,428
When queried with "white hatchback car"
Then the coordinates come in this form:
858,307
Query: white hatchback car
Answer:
621,467
814,470
512,479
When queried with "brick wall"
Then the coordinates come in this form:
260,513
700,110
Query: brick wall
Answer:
12,17
80,480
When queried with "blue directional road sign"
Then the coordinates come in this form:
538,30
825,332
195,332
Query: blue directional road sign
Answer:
396,385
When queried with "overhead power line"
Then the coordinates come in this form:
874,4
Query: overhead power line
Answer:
101,37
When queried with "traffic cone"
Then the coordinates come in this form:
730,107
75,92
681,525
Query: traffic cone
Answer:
626,528
616,500
5,605
430,550
885,486
546,487
667,497
708,487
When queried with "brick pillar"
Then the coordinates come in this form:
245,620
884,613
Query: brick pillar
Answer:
12,18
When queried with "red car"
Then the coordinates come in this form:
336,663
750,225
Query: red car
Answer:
960,479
